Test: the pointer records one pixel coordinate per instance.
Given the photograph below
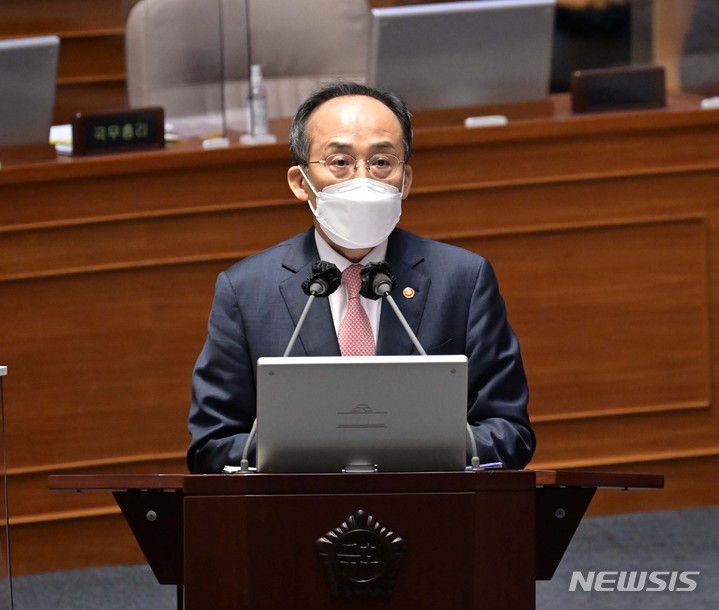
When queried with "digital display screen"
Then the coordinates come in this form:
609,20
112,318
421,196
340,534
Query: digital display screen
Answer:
135,129
112,134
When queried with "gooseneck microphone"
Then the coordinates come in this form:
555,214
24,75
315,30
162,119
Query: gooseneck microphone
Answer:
377,282
322,281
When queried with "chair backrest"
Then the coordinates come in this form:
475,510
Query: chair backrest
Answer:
174,59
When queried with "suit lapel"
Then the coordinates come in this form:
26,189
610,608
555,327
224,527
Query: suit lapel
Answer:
317,337
405,260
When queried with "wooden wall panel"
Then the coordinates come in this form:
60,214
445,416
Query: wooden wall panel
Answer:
88,55
40,17
590,301
101,361
133,241
88,95
174,181
495,158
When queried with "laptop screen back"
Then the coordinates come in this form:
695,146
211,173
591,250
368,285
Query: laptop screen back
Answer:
463,53
28,69
395,413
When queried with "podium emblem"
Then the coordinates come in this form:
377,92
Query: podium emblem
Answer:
361,557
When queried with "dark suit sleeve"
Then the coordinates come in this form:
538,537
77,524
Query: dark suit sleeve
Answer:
223,388
498,392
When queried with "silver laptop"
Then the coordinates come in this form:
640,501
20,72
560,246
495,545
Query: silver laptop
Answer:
463,53
28,70
384,413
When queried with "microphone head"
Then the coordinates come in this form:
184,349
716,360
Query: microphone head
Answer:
377,280
323,280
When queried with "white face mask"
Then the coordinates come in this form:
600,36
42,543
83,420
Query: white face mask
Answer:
357,213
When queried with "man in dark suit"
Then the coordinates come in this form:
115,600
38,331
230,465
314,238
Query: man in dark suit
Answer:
350,145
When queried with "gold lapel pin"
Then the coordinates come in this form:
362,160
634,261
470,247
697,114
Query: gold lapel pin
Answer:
408,293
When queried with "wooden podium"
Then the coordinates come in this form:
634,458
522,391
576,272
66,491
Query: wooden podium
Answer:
383,540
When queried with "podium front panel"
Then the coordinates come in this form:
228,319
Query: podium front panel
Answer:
461,550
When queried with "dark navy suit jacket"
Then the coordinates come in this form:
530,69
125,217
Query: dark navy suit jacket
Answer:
457,309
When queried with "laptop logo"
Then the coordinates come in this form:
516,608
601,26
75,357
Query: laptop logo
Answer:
362,416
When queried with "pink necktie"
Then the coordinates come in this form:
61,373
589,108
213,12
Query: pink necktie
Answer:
355,335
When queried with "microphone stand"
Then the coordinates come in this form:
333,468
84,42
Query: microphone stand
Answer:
313,294
377,282
473,444
403,321
322,282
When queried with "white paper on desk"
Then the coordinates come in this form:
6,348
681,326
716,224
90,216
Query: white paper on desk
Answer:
61,138
207,125
235,469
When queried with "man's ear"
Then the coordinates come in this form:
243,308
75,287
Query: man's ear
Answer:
407,180
298,184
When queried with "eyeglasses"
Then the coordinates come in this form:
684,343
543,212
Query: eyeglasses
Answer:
380,167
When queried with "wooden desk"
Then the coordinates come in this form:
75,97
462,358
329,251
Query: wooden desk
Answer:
602,229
